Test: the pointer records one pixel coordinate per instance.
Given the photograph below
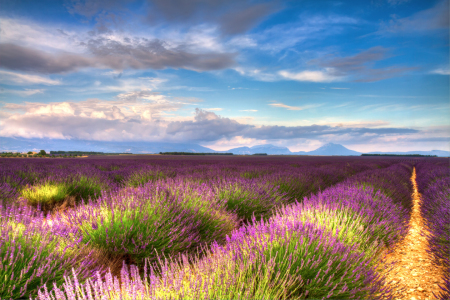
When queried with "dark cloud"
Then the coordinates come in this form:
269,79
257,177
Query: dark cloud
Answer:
232,16
16,57
431,139
243,20
90,8
314,131
147,54
355,63
371,75
434,18
208,126
360,66
133,97
155,54
184,10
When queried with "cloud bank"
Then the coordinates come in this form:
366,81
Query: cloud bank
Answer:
143,116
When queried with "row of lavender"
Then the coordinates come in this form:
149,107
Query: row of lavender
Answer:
326,246
200,202
434,185
89,177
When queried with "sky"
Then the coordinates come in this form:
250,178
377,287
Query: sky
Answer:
370,75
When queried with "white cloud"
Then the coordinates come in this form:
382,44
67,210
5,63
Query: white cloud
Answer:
139,121
249,110
18,78
234,142
356,124
29,33
131,106
336,88
59,109
282,105
286,106
243,41
24,93
441,71
257,74
213,109
311,76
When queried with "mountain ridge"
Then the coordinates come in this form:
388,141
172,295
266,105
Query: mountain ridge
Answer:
329,149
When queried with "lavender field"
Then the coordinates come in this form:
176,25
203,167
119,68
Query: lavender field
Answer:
167,227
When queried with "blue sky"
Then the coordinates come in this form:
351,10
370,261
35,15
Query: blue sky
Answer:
371,75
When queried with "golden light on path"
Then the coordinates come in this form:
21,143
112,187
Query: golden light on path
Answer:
414,277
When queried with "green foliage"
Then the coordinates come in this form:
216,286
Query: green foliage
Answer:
46,193
142,177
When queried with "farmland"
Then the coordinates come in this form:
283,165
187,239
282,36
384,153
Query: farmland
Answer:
216,227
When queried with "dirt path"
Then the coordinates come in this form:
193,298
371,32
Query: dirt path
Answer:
414,277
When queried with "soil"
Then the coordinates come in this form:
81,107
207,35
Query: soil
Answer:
415,274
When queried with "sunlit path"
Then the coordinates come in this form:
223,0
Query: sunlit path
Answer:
414,276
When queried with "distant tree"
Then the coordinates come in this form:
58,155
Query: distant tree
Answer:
42,152
30,152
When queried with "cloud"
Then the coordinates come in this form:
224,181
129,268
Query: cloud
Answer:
90,8
441,71
26,79
107,53
137,105
359,124
15,57
231,17
122,120
426,139
258,74
27,33
234,142
434,18
213,109
359,67
244,19
329,68
337,88
23,93
307,28
249,110
155,54
286,106
397,2
311,76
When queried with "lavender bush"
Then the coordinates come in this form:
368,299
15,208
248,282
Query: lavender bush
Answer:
140,222
30,256
359,216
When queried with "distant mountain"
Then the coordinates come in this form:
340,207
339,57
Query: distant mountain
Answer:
328,149
22,145
440,153
331,149
268,148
